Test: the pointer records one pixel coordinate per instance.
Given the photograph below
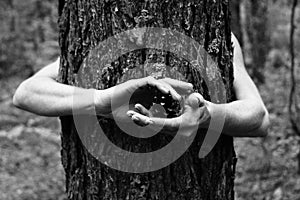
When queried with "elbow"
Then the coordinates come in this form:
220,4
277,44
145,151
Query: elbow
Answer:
17,99
263,125
20,97
266,125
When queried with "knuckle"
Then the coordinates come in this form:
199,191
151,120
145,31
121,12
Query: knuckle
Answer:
199,96
150,78
193,95
190,85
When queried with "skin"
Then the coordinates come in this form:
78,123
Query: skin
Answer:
246,117
43,95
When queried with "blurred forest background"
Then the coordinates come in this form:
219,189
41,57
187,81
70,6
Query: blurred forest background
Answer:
267,169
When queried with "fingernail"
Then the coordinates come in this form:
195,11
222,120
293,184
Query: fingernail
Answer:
135,118
129,114
137,107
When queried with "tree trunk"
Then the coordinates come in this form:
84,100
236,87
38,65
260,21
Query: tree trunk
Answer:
256,37
86,23
250,25
236,22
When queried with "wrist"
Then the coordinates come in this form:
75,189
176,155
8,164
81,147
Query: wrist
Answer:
215,112
102,102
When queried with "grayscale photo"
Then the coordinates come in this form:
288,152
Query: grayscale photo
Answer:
149,100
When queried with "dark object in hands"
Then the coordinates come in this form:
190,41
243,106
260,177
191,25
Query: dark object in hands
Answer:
150,97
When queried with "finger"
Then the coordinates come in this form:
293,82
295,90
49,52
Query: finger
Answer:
139,122
200,98
196,100
139,119
174,93
165,88
142,110
180,86
160,86
165,125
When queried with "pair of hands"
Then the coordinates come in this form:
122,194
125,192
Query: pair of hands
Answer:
115,103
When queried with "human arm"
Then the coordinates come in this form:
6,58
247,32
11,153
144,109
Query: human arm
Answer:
245,117
43,95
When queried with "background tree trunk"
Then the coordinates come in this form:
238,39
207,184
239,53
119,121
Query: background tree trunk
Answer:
236,21
250,25
86,23
256,37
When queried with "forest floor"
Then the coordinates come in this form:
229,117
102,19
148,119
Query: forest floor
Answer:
30,165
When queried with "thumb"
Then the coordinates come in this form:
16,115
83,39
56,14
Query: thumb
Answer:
195,100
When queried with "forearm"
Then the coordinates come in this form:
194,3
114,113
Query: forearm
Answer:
44,96
243,118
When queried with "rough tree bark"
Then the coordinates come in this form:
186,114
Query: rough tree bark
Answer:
85,23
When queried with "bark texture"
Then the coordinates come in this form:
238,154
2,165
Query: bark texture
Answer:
85,23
